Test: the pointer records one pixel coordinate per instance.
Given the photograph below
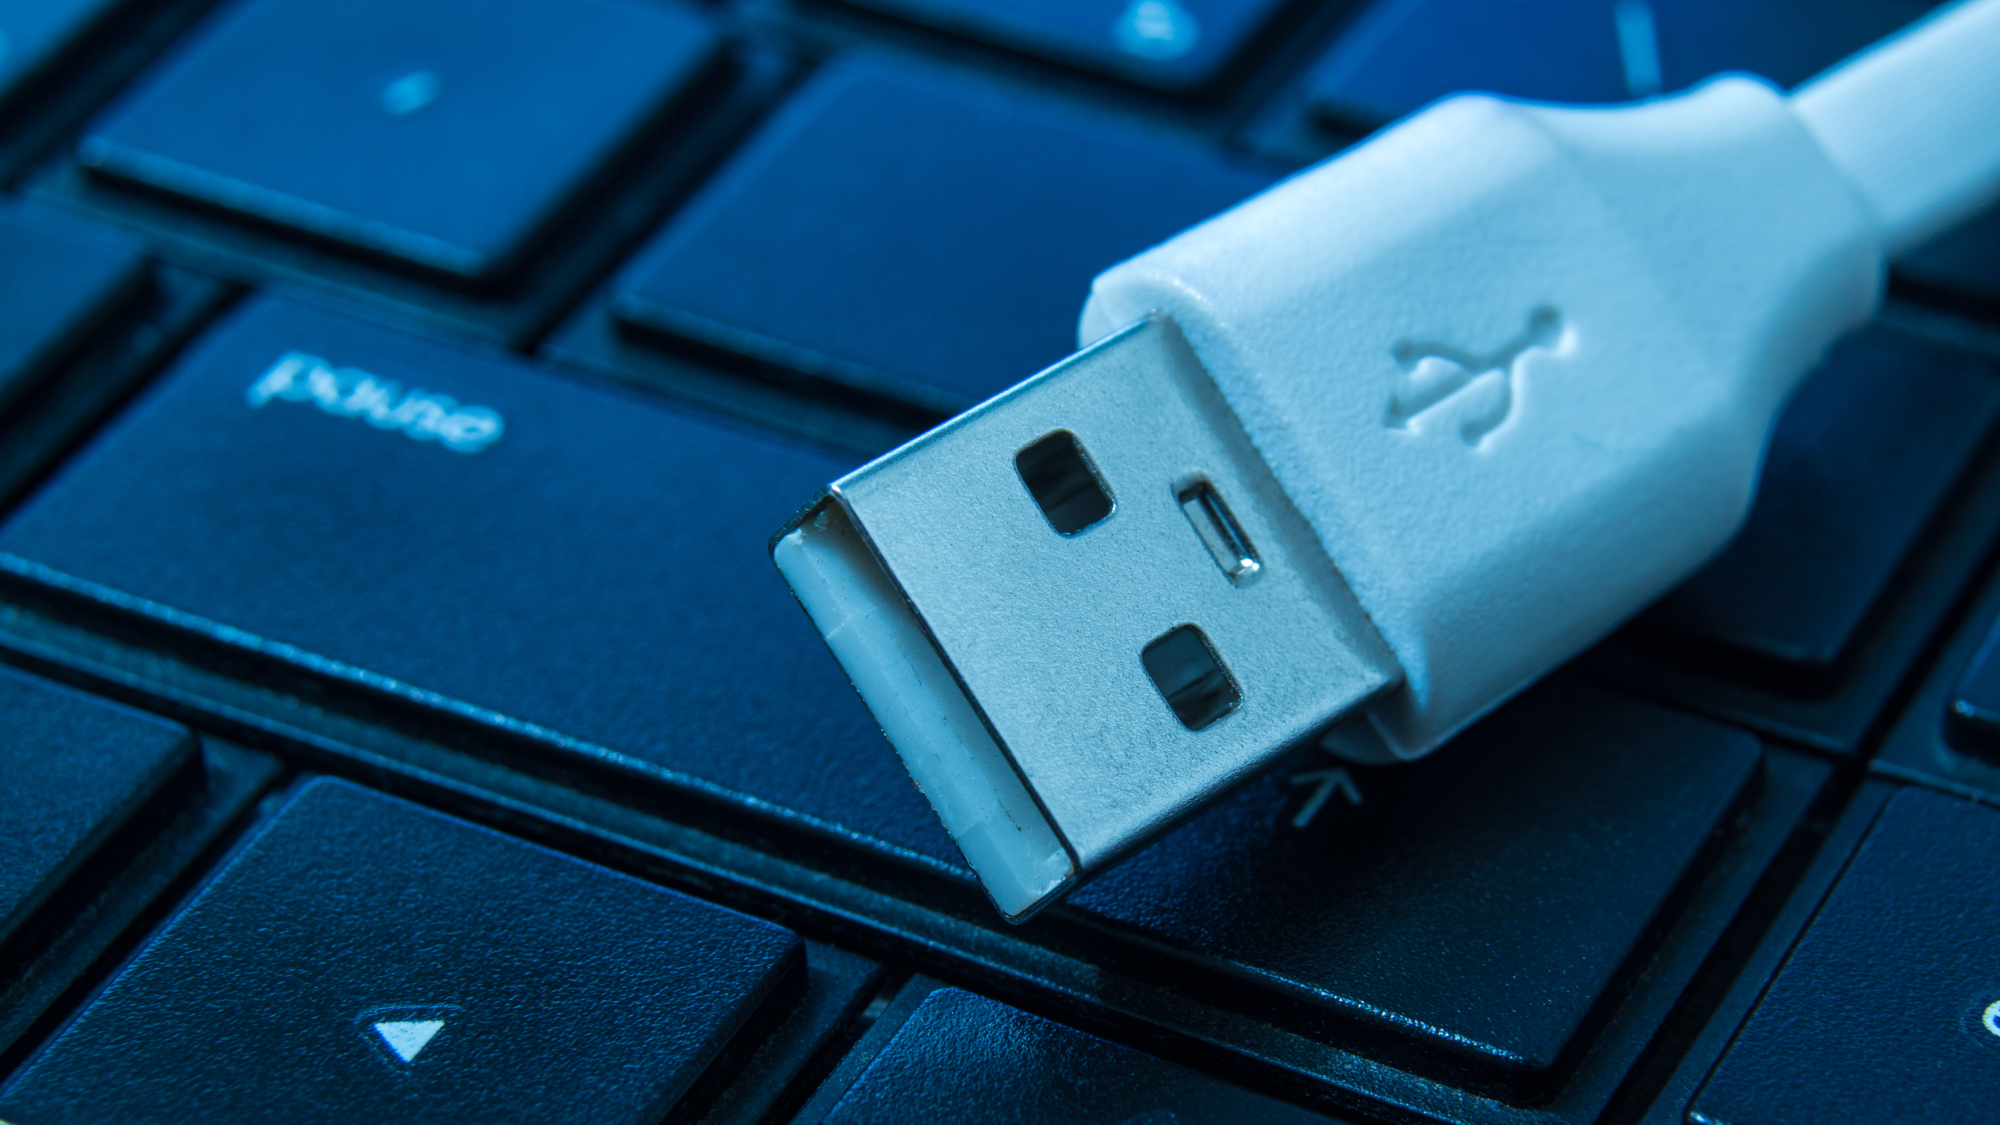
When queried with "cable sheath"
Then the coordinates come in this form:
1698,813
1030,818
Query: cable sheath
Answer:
1914,122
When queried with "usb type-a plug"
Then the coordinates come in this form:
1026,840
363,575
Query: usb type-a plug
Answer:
1364,456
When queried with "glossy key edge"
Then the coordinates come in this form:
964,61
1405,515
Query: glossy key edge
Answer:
1929,742
61,411
193,826
516,311
1946,556
153,785
1661,1089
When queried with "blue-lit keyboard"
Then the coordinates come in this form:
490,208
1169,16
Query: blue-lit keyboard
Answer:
403,719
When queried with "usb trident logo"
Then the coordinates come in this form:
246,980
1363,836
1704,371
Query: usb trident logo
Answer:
1437,374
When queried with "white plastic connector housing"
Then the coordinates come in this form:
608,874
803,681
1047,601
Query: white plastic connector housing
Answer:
1516,364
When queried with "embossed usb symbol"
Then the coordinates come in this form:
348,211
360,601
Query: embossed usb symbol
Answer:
1434,374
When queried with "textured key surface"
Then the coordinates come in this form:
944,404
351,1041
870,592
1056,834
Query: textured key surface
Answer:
1862,458
600,569
1481,899
439,134
1889,1008
1403,54
900,222
364,960
56,283
1173,43
964,1058
34,32
72,768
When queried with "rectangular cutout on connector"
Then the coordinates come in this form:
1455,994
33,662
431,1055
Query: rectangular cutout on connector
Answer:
1060,478
1191,677
1219,531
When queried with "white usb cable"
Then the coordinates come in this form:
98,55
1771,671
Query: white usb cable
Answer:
1369,453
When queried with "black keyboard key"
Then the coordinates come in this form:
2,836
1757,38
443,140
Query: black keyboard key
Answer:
570,558
439,134
1170,43
1974,722
840,986
34,33
1859,463
57,284
1889,1008
1403,54
362,959
919,232
1480,901
72,769
964,1058
1963,263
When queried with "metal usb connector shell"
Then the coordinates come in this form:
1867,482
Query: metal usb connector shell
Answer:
1064,694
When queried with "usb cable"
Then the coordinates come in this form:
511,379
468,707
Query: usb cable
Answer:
1362,457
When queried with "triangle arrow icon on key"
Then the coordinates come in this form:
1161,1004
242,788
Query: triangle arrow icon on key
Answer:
408,1038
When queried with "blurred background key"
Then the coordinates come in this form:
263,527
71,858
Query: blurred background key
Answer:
441,136
35,33
1170,43
917,233
1400,55
1962,266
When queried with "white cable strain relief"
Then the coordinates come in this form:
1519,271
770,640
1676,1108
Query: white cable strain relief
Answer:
1516,364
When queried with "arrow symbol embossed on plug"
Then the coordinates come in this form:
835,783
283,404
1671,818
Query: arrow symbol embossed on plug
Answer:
1436,374
1330,781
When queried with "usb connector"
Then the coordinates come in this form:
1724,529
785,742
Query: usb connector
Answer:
1095,581
1364,456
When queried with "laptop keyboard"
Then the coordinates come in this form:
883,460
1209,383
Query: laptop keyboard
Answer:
979,211
396,401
